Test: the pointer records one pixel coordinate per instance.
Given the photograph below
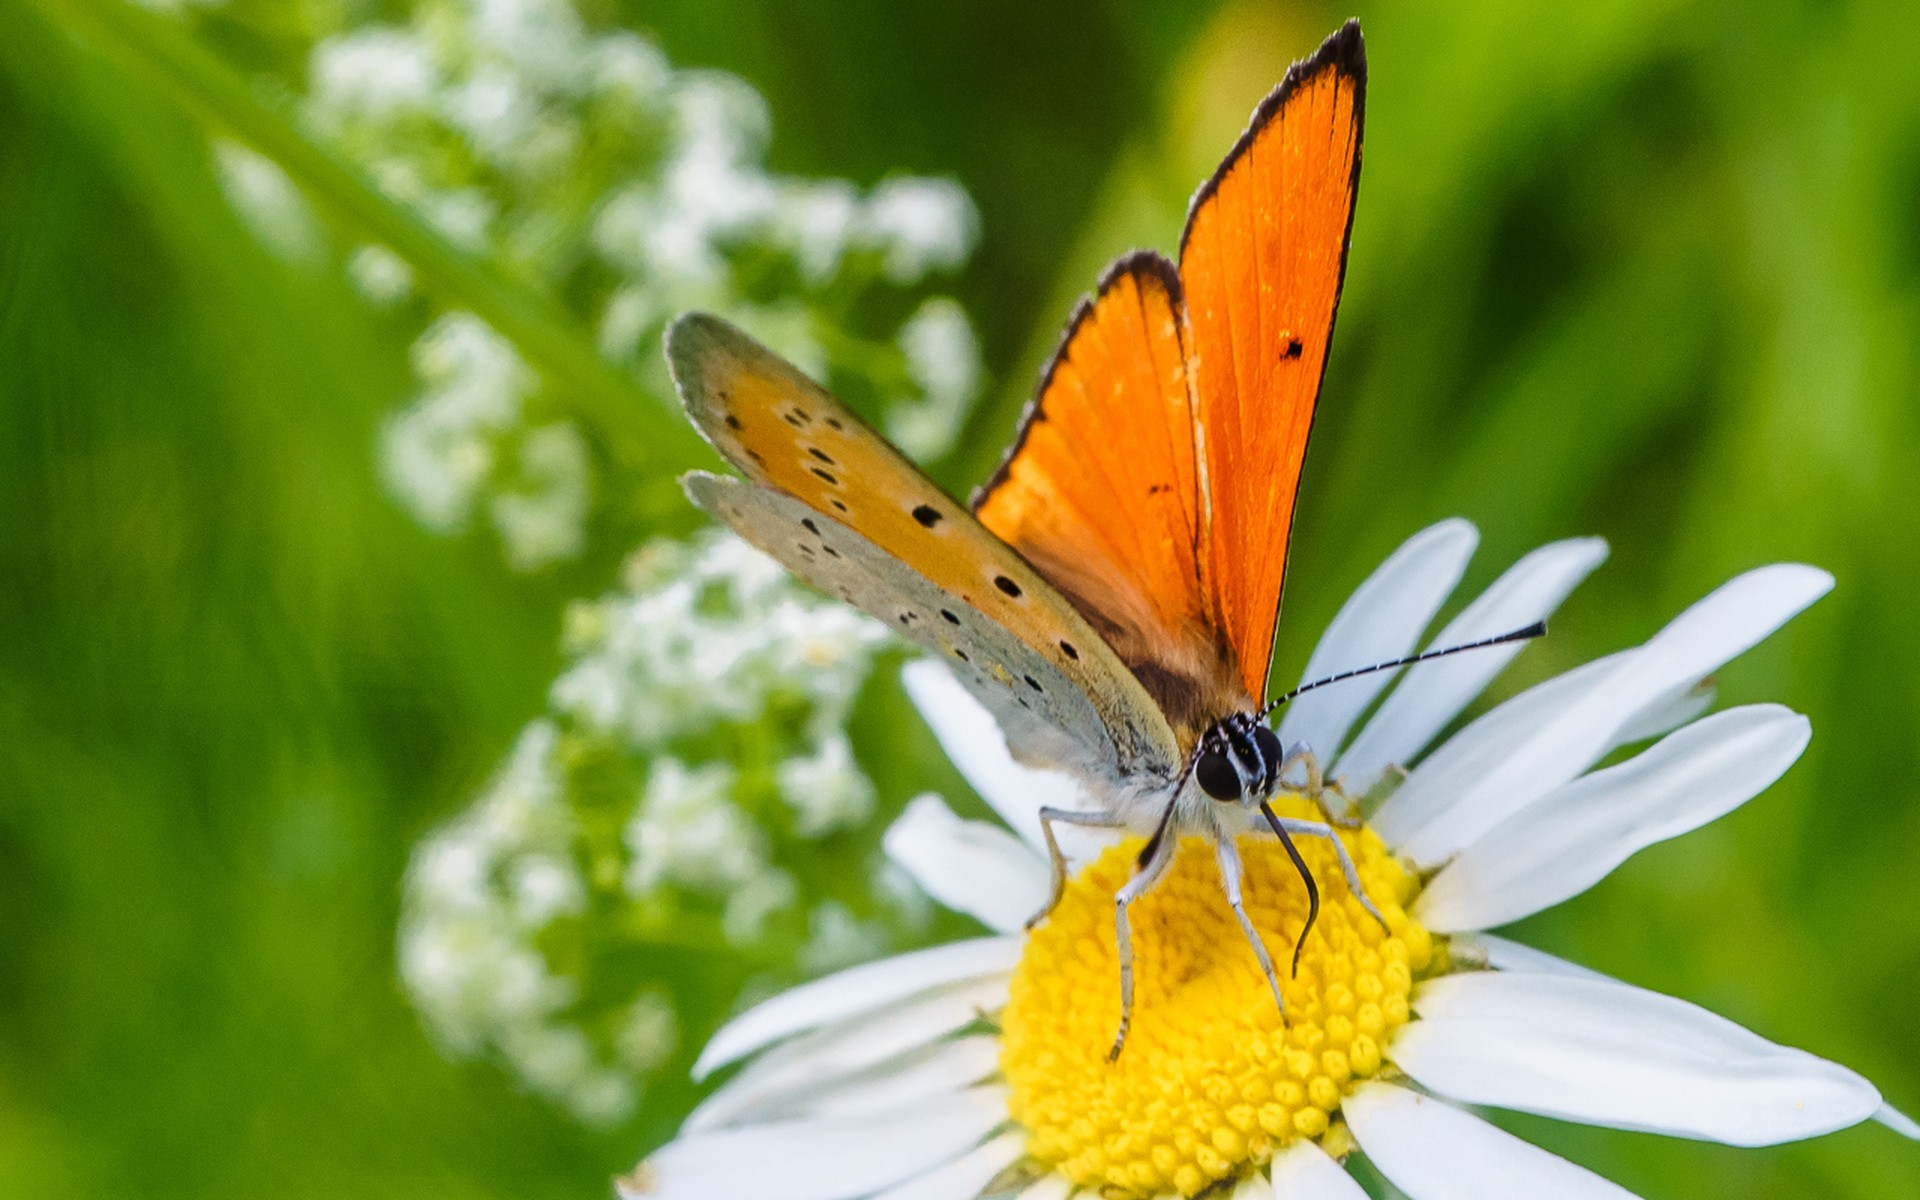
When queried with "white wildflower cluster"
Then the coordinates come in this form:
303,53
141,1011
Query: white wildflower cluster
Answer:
712,642
585,165
689,819
480,893
694,761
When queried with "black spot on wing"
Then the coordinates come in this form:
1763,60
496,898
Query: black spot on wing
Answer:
1067,649
927,515
1007,585
822,455
951,618
827,475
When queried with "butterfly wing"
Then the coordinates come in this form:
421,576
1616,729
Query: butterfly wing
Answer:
1261,264
916,552
1101,492
1047,718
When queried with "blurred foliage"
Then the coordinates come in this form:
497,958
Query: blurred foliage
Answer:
1646,269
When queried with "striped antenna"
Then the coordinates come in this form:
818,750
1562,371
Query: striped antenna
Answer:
1535,630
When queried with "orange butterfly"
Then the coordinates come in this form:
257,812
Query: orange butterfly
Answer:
1111,595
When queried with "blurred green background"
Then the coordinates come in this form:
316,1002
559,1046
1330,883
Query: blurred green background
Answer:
1648,270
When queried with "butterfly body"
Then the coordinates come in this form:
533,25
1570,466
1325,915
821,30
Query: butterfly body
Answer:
1111,593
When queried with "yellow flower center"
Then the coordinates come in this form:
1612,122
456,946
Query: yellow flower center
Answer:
1212,1079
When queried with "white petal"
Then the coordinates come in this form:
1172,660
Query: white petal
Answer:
1609,1054
1303,1171
1434,1151
1048,1187
973,741
1433,824
1576,834
1433,693
1504,955
944,1069
1897,1121
1485,743
1252,1186
787,1076
1668,713
823,1160
1382,620
964,1177
969,866
854,991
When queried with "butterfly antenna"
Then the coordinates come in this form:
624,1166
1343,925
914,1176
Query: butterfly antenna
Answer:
1535,630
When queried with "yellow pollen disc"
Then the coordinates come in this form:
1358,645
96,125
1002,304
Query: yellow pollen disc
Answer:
1212,1079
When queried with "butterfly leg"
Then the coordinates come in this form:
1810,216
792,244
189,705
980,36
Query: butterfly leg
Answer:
1086,820
1144,877
1318,786
1228,857
1321,830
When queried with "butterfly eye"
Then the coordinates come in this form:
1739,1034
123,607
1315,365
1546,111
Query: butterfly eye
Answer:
1270,750
1215,773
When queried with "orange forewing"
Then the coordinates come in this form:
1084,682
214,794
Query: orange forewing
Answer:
1261,263
1172,541
1100,492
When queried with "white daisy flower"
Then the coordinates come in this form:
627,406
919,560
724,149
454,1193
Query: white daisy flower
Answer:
980,1068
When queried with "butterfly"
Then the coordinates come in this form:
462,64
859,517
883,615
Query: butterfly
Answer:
1112,591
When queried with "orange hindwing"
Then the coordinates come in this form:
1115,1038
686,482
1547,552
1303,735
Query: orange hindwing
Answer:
1101,490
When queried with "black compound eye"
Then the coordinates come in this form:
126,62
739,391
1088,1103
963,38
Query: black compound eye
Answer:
1215,773
1269,743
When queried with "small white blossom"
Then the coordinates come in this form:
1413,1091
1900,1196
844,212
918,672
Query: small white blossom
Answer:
542,39
826,789
943,357
462,215
751,904
541,521
261,193
630,69
818,220
687,831
380,275
839,940
921,225
492,111
649,1033
372,74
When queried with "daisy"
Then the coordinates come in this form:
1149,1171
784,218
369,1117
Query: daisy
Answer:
980,1068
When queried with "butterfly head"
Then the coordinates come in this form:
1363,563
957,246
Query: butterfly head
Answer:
1238,760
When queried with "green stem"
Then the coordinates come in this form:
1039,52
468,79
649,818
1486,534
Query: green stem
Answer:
158,50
